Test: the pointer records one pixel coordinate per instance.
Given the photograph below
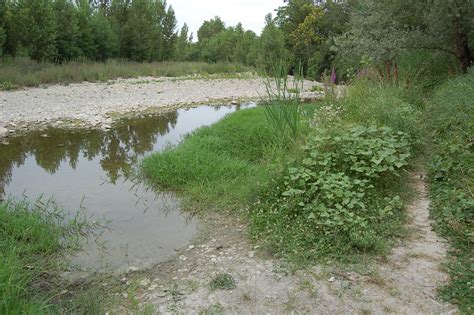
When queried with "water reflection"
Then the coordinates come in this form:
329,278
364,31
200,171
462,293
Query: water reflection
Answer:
92,168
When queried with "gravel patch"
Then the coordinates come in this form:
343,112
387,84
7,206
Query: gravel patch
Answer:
98,104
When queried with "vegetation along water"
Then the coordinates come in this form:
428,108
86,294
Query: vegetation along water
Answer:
313,186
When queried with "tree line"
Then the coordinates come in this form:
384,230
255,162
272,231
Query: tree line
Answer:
319,36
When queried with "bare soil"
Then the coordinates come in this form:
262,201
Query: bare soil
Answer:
405,282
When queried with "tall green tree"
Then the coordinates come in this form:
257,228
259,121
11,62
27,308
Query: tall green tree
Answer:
37,28
67,39
272,48
182,43
170,36
210,28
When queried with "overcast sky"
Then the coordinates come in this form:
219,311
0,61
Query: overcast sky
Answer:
250,12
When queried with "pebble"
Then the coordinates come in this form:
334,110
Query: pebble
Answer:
3,132
145,282
132,269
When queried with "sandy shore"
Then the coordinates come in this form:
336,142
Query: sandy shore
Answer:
96,104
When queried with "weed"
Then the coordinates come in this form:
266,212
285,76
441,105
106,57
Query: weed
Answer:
33,241
223,281
7,86
450,124
246,296
215,309
336,199
282,107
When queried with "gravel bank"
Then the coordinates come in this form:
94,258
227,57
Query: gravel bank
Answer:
96,104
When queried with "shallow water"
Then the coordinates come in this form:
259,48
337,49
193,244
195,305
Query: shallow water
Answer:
91,169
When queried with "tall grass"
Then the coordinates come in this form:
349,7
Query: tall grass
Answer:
282,105
21,72
216,167
33,239
450,124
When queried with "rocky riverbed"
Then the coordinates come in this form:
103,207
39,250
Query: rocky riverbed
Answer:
97,105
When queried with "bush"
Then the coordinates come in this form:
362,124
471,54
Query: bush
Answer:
339,199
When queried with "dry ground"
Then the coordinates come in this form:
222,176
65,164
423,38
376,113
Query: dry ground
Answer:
404,283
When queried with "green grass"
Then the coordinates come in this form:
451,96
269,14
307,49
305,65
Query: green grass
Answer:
223,281
33,240
220,166
22,72
450,123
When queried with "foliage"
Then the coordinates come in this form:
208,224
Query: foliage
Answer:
32,239
390,105
338,199
272,50
450,124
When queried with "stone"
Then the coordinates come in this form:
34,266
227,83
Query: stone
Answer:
145,282
132,269
3,132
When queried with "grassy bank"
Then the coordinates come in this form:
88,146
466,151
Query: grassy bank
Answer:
335,191
20,72
33,242
450,121
220,166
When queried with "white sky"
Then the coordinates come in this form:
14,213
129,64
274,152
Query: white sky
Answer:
251,13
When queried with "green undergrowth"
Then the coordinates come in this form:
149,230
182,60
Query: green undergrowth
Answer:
33,242
450,121
340,199
20,72
345,195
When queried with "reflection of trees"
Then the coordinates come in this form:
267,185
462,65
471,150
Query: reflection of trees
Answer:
118,149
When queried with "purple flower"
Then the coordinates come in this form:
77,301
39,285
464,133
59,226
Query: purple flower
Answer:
333,76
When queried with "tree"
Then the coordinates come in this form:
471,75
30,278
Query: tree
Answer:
37,29
104,39
272,45
67,30
381,31
182,43
169,34
210,28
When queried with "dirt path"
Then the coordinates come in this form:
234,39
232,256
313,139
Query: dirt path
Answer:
403,284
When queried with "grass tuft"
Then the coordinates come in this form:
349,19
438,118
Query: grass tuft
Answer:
223,281
33,239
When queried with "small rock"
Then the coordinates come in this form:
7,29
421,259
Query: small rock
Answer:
152,287
132,269
145,282
190,247
3,132
332,279
125,295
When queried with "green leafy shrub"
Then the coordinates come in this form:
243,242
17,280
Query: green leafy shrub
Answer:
338,199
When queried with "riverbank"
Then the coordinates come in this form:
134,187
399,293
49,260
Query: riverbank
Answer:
98,105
